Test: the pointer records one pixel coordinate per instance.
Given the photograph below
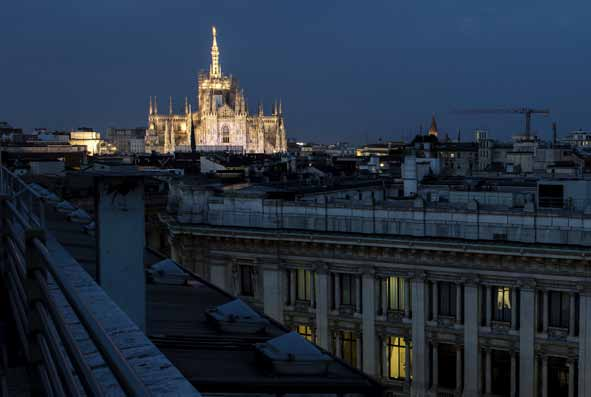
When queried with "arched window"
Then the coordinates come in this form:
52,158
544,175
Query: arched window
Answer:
225,134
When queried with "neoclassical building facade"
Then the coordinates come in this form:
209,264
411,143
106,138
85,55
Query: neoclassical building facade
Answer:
394,295
220,123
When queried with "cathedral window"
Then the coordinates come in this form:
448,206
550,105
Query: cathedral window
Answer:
218,100
225,134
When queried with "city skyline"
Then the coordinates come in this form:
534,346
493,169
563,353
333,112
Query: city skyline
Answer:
390,66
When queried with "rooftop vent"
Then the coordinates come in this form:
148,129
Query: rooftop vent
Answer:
80,216
236,317
291,354
167,272
65,207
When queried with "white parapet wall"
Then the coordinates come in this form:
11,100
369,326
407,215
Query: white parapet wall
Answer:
470,221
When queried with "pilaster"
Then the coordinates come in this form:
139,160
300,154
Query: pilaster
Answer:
272,291
585,341
471,346
369,321
527,330
419,351
321,290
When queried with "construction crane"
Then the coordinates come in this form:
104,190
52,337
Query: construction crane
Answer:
525,111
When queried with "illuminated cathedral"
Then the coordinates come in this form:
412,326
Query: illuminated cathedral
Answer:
220,123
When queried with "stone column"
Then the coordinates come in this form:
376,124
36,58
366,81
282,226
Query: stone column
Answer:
292,286
458,369
272,294
471,346
368,326
357,295
419,352
384,302
435,301
407,312
571,377
385,357
513,390
339,351
585,341
545,312
312,289
337,291
435,367
407,368
458,303
544,376
359,352
488,307
488,372
514,308
527,302
322,335
572,315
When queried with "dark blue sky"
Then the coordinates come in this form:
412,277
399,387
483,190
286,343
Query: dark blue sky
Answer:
346,70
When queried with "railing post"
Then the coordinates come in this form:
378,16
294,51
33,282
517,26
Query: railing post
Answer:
2,232
34,294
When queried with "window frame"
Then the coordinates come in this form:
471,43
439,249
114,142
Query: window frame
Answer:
247,288
504,313
346,279
561,317
349,355
396,302
446,289
303,285
306,331
398,345
225,134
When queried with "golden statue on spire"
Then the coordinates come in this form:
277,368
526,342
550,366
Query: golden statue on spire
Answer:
215,70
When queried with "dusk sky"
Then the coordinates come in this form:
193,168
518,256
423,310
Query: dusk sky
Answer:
345,70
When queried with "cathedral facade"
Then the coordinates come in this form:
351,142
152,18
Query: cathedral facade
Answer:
220,123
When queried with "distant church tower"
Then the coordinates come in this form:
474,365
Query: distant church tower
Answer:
221,122
433,129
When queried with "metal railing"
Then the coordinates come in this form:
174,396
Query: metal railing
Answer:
31,274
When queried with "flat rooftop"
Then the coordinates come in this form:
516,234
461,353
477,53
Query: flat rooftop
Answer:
214,362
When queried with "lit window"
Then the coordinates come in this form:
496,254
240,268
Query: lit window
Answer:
304,284
399,368
395,291
348,347
306,332
502,309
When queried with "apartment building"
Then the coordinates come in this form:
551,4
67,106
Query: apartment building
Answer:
434,299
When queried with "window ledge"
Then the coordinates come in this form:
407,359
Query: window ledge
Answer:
557,332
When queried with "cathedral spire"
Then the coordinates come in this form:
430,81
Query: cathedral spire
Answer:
151,109
170,104
186,105
215,70
155,105
280,107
